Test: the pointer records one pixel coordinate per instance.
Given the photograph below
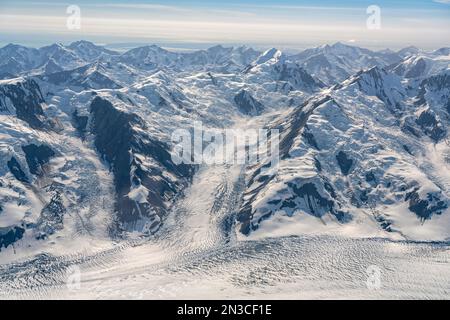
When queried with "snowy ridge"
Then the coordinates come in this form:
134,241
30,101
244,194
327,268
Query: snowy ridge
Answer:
334,63
340,164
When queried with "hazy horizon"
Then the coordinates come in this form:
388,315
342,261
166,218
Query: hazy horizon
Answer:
199,24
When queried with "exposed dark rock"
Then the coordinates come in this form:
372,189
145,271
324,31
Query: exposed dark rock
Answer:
213,80
384,223
437,84
10,235
80,122
374,79
330,189
274,202
409,129
345,163
417,70
363,196
86,77
425,208
297,122
370,177
427,119
407,149
306,194
247,104
119,136
37,156
309,137
52,216
26,97
317,165
312,197
16,170
428,122
245,213
244,217
317,204
298,77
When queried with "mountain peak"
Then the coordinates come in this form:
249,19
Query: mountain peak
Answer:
12,46
270,54
57,46
375,73
342,47
216,48
445,51
82,42
339,45
408,51
410,48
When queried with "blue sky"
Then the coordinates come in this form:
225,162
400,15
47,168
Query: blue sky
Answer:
262,23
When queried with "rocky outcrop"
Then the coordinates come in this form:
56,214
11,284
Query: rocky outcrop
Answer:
140,164
247,104
37,157
345,163
52,217
425,208
10,235
298,77
430,125
16,170
26,98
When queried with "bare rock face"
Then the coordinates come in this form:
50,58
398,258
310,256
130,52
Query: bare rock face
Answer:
10,235
121,140
26,99
247,104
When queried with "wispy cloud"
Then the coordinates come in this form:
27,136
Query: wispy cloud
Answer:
299,7
145,6
170,9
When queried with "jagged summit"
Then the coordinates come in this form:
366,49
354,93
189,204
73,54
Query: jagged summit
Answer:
272,54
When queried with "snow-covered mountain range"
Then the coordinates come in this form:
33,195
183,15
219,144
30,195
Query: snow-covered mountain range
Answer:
85,141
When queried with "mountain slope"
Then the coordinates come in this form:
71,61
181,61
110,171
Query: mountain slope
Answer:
349,165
